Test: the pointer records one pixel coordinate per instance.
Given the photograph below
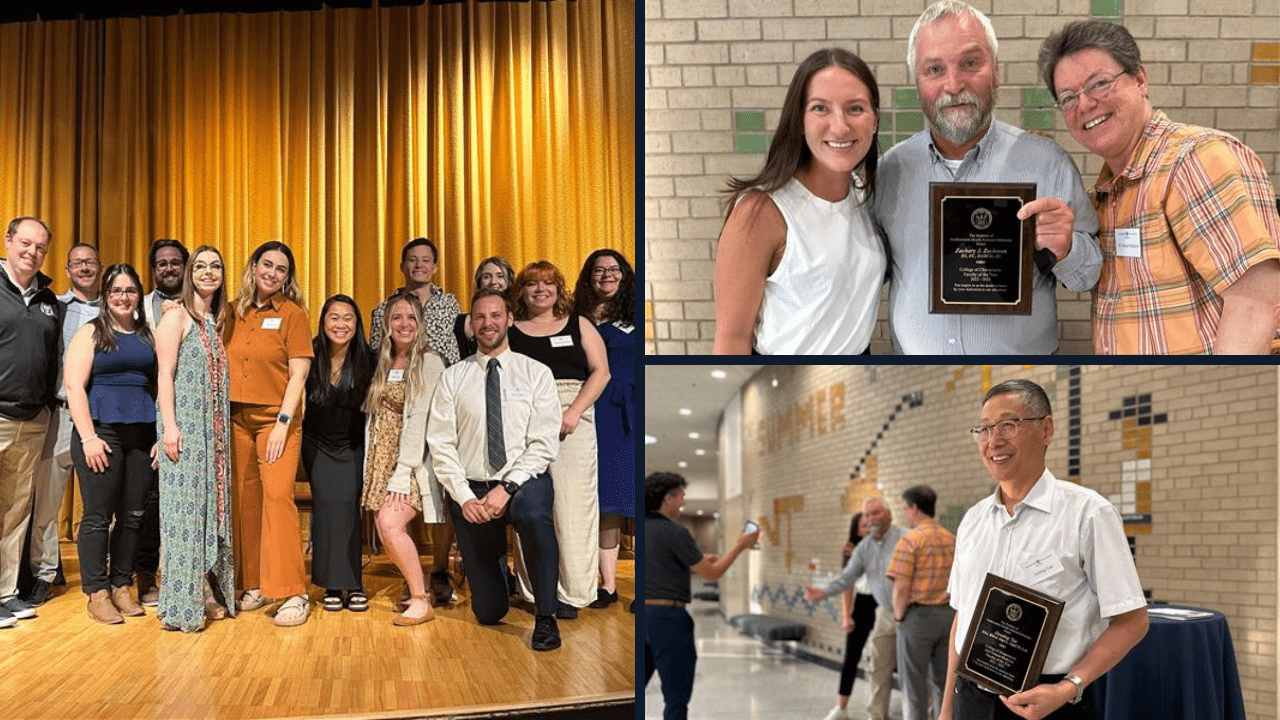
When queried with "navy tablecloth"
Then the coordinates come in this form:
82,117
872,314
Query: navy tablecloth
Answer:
1182,670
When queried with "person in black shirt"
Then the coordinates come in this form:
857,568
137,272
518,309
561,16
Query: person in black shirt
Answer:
670,554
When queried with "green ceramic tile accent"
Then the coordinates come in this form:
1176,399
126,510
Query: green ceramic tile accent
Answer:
906,98
1036,98
1107,7
749,120
1037,119
886,142
750,142
910,121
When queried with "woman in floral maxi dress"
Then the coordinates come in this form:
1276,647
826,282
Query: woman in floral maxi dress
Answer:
197,564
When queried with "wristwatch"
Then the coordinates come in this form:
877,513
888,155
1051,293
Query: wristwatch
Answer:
1075,680
510,487
283,419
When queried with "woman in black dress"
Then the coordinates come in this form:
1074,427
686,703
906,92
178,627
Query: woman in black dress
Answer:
333,451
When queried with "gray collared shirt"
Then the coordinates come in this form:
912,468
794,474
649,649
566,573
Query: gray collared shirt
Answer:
870,558
77,313
1004,154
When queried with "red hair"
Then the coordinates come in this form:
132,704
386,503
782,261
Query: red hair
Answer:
542,270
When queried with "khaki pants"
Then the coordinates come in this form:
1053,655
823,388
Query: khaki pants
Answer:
20,444
884,658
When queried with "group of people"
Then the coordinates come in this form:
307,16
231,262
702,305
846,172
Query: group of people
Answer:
917,590
188,412
1178,239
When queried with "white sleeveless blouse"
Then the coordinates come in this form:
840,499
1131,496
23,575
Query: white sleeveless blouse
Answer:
823,296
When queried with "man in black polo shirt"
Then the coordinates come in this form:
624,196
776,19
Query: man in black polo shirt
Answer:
670,554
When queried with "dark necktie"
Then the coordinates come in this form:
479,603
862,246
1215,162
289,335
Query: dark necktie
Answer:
493,410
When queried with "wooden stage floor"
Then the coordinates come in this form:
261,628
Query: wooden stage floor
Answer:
62,664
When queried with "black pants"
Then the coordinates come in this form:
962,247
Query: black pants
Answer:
972,703
864,618
149,534
336,481
484,549
118,492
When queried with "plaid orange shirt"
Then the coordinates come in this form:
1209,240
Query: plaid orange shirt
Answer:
1206,211
924,557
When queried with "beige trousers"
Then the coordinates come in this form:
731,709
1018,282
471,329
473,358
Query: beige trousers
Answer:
20,444
884,659
576,509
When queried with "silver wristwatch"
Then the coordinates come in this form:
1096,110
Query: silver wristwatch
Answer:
1075,680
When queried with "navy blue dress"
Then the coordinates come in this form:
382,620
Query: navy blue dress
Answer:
615,422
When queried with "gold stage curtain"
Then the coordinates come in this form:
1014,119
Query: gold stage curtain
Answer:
494,128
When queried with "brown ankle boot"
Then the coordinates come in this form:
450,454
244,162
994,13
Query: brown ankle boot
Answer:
101,609
124,602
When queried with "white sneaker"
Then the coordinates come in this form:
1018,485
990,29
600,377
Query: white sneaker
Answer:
837,713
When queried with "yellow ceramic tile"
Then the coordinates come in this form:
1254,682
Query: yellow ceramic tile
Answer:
1266,52
1265,75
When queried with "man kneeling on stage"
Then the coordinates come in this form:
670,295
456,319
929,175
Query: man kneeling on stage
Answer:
493,431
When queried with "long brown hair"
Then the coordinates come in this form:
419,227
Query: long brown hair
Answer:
789,152
218,302
104,331
387,356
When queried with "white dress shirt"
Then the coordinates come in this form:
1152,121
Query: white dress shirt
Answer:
1064,540
457,429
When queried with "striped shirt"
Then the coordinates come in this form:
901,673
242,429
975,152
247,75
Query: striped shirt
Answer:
1205,210
924,557
1005,154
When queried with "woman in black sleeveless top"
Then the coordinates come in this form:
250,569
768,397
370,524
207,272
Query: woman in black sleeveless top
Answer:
547,330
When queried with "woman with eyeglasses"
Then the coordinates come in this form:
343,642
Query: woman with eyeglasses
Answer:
549,331
110,377
198,562
605,292
269,351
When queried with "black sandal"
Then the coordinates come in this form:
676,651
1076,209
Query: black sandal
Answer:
357,601
333,600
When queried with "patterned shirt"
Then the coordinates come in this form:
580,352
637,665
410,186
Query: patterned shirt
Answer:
924,557
1205,212
438,316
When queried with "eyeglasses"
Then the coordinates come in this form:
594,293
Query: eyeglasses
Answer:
119,292
614,271
162,264
1097,90
1004,429
84,263
201,267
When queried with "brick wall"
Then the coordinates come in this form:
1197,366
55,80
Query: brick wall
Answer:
1187,453
716,72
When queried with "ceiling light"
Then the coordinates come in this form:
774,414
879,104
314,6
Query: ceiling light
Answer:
775,382
718,374
699,512
686,411
683,464
649,439
699,452
693,436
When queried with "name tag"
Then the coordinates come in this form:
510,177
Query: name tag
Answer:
514,395
561,341
395,375
1039,567
1129,242
271,323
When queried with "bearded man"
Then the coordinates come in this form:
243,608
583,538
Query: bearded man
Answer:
952,56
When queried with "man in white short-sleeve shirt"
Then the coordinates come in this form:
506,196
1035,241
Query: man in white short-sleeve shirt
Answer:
1057,537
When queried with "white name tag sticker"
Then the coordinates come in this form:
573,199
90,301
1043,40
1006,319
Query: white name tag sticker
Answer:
514,395
1041,566
271,323
561,341
1129,242
395,375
